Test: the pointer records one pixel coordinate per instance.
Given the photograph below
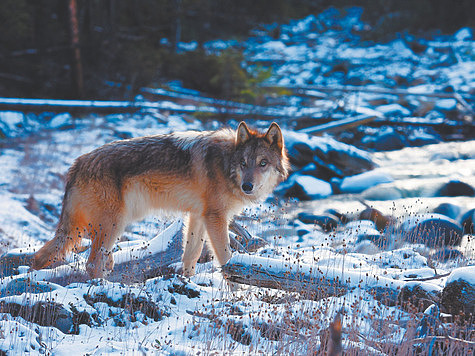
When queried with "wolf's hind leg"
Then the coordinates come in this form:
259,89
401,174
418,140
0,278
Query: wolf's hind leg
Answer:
104,235
217,227
68,235
193,240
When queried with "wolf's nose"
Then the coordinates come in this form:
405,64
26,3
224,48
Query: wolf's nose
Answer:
247,187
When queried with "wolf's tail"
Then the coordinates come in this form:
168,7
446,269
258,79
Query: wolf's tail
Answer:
67,235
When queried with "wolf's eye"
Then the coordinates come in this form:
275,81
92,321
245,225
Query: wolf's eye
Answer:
243,163
263,163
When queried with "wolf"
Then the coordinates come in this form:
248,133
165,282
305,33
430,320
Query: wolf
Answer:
209,176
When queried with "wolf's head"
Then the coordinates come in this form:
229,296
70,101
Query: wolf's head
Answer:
260,160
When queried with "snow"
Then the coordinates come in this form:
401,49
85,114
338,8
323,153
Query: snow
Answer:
402,186
445,104
464,34
466,274
314,187
361,182
393,110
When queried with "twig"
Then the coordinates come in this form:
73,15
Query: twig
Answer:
428,278
464,103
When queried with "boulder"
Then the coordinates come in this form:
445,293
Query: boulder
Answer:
444,105
339,159
61,121
300,154
391,110
342,217
456,188
327,222
360,230
458,295
386,139
381,221
417,296
432,230
360,182
446,254
44,313
464,34
450,210
11,123
468,220
304,187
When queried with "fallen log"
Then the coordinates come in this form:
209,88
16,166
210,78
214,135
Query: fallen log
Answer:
339,125
303,90
311,282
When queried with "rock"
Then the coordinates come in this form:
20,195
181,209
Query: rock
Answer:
417,296
391,110
11,122
383,192
381,221
304,187
42,313
450,210
342,217
328,222
456,188
11,260
458,295
386,140
351,161
447,254
326,170
321,170
300,154
62,121
464,34
432,230
360,230
366,247
340,159
301,231
421,138
444,105
468,220
360,182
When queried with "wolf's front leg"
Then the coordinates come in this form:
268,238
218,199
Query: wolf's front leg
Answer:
193,240
217,227
101,261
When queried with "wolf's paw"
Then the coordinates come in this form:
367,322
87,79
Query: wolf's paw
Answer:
188,271
100,267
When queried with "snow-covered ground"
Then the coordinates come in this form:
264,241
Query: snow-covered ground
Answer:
175,316
32,171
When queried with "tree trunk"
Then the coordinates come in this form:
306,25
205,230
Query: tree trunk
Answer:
76,66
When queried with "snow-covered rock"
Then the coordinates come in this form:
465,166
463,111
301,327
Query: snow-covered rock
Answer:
61,121
464,34
445,104
393,110
363,181
11,122
304,187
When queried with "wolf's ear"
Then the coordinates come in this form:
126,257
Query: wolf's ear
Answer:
274,136
243,133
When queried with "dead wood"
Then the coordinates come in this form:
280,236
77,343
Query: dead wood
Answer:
311,282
